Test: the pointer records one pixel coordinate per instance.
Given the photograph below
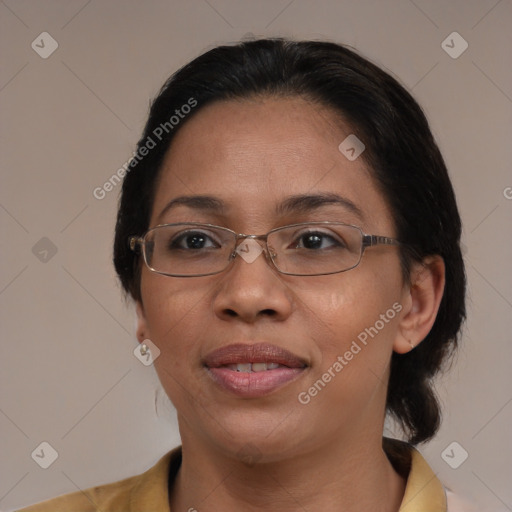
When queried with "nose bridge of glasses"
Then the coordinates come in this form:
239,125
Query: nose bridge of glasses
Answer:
249,247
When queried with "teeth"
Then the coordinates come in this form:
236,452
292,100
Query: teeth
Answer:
253,367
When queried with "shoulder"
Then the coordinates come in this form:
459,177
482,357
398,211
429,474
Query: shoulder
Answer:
96,498
148,489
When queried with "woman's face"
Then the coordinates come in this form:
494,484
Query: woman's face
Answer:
253,155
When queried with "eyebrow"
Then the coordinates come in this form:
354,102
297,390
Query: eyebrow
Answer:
306,203
199,202
300,203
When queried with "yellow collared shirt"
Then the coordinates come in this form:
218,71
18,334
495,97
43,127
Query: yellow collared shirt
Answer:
148,492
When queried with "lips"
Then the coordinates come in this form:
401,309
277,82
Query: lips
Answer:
257,353
253,370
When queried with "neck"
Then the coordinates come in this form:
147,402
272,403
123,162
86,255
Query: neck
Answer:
351,476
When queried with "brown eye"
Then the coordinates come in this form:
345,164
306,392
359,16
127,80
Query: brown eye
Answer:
318,240
192,240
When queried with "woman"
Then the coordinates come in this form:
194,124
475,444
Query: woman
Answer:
290,236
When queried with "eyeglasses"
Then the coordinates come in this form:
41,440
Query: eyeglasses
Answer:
193,249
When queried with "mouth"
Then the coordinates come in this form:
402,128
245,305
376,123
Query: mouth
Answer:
253,367
253,370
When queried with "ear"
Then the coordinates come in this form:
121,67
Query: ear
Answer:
142,325
421,299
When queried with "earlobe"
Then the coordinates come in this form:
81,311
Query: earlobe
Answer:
142,327
421,301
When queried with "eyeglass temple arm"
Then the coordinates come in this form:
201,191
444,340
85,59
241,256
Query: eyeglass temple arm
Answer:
369,240
134,242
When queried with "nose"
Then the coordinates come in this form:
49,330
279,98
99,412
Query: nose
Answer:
252,288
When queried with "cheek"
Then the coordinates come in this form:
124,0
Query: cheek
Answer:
355,345
356,308
176,314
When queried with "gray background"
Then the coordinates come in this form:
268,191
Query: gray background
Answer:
68,375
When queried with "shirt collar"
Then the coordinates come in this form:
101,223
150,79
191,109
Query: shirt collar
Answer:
423,492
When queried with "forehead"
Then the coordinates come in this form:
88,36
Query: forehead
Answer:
261,132
253,154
